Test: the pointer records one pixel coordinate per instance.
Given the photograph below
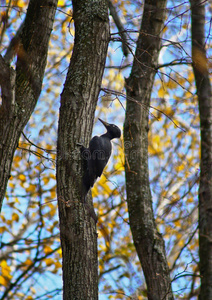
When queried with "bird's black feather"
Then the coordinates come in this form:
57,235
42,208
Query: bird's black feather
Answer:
97,155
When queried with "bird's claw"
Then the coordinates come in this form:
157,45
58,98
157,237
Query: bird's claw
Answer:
80,145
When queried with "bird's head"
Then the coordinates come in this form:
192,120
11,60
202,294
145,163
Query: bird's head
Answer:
112,130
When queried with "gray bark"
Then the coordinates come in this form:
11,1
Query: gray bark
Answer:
21,87
78,103
148,241
201,72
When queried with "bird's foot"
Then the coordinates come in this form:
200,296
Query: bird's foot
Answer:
80,145
82,148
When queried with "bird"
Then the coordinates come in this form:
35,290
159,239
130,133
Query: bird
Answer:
96,156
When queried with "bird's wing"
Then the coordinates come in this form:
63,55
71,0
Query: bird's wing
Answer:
98,159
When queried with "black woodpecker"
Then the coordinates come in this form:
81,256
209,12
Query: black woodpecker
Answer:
96,156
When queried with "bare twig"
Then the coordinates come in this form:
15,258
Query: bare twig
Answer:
186,244
108,91
45,150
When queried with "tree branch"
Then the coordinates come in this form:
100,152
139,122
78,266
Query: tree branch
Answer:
14,44
7,82
78,104
119,25
148,241
204,93
21,92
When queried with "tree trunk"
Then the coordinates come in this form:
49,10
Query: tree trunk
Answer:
148,241
78,103
200,67
21,87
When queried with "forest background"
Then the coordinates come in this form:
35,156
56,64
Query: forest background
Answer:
31,256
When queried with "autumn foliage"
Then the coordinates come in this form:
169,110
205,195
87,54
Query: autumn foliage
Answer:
31,257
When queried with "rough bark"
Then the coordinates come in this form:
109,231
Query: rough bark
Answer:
21,87
148,241
78,103
201,73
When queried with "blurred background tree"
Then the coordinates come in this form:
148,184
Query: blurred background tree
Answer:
30,257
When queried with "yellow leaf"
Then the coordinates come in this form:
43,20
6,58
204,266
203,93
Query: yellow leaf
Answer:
59,251
58,264
17,201
178,236
102,182
190,200
115,192
28,262
102,247
61,2
53,212
119,166
53,194
3,229
192,247
17,158
51,175
38,167
165,29
22,177
100,268
95,191
5,270
181,243
47,250
53,155
180,168
11,185
45,180
3,281
15,217
31,188
49,261
21,4
161,92
171,84
168,111
20,295
33,290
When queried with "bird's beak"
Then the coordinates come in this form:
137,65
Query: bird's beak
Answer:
104,123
